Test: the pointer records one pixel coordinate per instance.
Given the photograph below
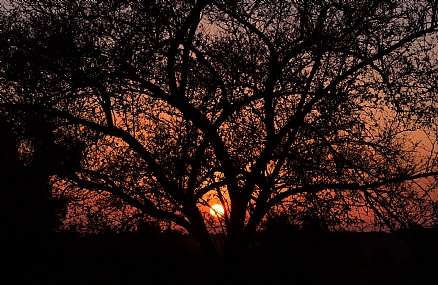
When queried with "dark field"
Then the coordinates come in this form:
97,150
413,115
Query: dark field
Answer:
281,256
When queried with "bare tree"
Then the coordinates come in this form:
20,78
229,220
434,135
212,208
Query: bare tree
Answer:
256,105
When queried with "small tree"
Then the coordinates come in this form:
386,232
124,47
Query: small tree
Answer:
29,159
251,104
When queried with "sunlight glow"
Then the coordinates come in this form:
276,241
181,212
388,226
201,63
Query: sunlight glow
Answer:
217,210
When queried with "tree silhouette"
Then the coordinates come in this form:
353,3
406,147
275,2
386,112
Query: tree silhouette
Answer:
29,214
257,105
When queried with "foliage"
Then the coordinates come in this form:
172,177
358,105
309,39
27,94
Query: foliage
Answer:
27,163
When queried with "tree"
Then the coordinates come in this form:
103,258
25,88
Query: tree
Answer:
29,215
256,105
27,207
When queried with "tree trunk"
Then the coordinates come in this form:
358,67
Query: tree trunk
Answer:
234,259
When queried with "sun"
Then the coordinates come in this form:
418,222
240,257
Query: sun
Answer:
217,210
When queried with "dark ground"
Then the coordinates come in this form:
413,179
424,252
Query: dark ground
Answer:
282,256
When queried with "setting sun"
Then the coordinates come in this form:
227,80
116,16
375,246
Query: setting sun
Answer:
217,210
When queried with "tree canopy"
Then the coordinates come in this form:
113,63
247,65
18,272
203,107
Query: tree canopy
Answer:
328,107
